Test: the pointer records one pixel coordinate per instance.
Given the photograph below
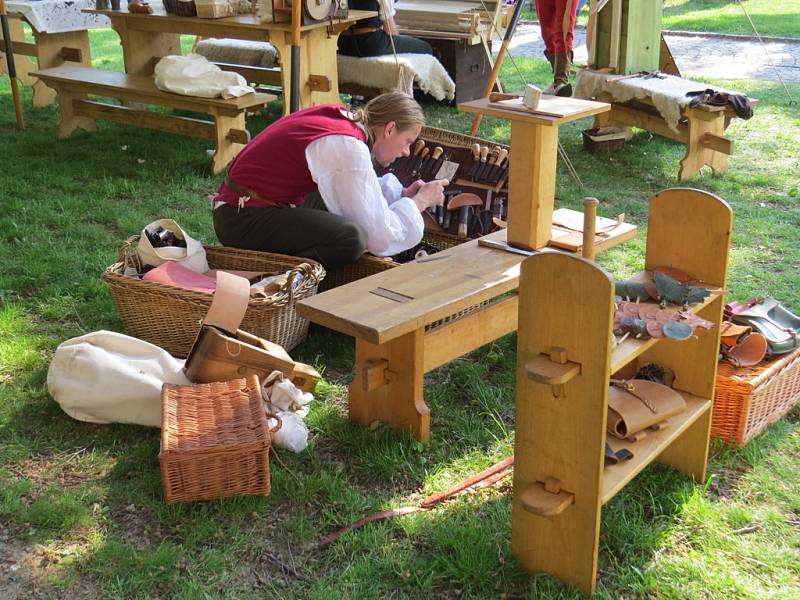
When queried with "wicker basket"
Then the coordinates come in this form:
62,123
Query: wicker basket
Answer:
214,441
170,317
182,8
609,145
747,400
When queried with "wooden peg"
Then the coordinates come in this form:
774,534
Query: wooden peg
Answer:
589,225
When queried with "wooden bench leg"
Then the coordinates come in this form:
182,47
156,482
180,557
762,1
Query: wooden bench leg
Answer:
51,49
388,385
70,121
230,137
706,144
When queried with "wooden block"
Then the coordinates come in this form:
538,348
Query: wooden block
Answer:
374,374
538,501
542,369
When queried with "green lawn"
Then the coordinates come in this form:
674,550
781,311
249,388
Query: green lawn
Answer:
779,18
81,509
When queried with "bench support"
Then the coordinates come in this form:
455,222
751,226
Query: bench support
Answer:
389,377
702,132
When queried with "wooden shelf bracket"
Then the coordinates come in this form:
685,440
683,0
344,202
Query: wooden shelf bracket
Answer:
553,369
546,498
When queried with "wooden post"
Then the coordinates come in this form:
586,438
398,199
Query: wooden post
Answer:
589,227
12,72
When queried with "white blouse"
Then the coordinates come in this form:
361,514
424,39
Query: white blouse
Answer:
341,166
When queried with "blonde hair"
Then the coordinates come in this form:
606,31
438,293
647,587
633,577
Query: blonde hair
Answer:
393,106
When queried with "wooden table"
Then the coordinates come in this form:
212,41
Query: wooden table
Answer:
416,317
59,34
147,38
532,160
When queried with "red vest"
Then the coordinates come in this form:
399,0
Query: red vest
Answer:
273,164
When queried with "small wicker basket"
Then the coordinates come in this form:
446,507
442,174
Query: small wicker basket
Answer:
170,317
214,441
749,399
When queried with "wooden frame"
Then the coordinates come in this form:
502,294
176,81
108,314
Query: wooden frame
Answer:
565,357
146,38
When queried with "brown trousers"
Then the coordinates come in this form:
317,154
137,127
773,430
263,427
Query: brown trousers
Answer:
308,231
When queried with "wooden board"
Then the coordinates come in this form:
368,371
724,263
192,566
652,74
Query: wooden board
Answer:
553,110
568,231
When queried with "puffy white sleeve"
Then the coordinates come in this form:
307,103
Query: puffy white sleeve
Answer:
341,167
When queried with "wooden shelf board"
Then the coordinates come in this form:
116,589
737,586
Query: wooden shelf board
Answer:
628,350
615,477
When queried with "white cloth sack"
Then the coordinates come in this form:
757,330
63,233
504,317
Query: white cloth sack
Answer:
282,398
194,75
193,256
107,377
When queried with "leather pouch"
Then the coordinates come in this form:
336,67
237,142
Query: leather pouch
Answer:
639,404
222,351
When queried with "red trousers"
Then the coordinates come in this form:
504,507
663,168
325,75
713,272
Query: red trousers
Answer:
557,20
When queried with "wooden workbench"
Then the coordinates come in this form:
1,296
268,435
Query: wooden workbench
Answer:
532,160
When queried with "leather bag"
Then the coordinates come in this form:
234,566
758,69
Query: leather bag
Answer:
222,351
638,404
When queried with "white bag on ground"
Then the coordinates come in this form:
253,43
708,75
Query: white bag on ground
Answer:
193,256
194,75
282,398
108,377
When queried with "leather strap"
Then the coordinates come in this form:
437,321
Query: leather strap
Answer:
230,302
361,30
244,191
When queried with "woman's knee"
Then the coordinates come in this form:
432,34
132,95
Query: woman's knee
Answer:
352,242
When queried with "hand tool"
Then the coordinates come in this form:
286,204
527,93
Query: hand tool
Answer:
462,202
476,155
484,156
416,160
435,162
409,160
494,174
419,161
487,166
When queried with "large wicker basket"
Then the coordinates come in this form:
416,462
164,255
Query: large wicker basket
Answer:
214,441
747,400
170,317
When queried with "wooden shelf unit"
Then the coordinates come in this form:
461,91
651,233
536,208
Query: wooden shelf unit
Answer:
566,312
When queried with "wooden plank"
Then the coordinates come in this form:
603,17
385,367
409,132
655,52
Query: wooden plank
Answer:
642,40
570,109
562,438
616,32
647,449
455,339
178,125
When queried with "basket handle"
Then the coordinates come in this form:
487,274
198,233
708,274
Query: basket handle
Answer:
125,251
304,269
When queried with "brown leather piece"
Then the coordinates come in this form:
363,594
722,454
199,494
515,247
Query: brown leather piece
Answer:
647,404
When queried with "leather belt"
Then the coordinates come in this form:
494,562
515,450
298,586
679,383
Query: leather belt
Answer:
243,191
361,30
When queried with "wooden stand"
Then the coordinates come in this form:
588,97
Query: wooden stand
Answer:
532,161
566,354
49,50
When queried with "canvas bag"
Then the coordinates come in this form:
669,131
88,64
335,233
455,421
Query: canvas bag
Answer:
193,256
222,351
108,377
194,75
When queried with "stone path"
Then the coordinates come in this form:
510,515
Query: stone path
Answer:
697,54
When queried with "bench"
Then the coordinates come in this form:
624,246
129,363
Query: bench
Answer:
419,316
74,84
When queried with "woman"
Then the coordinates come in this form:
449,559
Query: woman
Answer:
320,160
376,36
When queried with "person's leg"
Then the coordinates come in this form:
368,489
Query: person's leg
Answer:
560,38
317,234
406,44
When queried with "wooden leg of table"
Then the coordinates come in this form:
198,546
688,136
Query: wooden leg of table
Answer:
227,147
70,121
388,385
705,126
143,49
532,183
52,48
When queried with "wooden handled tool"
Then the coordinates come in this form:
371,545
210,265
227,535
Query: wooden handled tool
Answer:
484,155
589,225
494,174
476,156
12,71
462,202
487,167
435,162
416,160
420,161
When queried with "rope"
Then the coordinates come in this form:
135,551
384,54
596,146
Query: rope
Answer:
394,50
764,45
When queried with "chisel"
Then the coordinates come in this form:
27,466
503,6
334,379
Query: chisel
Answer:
434,163
418,163
494,174
482,173
476,155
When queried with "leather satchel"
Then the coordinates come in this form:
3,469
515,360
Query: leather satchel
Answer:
222,351
635,405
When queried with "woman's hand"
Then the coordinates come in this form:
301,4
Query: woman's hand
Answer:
390,27
430,194
412,190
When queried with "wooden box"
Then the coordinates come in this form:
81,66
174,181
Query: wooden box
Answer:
466,63
748,400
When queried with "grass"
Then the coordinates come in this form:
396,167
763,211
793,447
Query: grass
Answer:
81,509
777,18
